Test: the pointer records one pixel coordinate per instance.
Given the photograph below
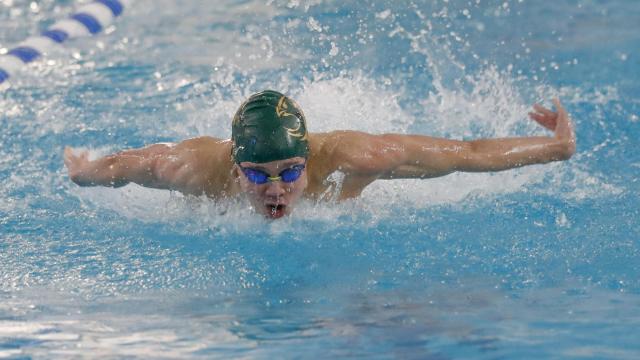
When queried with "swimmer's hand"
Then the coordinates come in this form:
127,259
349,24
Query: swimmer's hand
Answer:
85,172
558,122
76,164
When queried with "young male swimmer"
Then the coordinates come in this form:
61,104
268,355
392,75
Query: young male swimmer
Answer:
273,160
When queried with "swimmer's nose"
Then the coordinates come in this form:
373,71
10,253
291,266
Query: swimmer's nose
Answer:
275,189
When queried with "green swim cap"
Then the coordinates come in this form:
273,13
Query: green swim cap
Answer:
268,127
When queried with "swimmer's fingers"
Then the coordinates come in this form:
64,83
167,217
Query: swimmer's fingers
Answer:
543,110
68,156
543,120
544,117
562,113
559,122
72,161
564,126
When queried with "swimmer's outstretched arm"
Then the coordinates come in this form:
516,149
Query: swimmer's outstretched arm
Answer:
116,170
394,156
163,166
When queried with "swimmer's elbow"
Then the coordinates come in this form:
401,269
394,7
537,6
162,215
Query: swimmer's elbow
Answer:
117,183
80,180
567,150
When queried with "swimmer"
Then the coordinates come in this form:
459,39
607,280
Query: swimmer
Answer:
273,161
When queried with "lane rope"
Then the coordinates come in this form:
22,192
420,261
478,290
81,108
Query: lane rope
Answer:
89,19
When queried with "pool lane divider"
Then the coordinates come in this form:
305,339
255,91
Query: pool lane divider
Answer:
88,20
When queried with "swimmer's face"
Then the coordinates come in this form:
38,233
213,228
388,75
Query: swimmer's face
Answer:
275,198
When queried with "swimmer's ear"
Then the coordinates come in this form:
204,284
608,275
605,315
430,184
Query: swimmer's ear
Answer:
235,171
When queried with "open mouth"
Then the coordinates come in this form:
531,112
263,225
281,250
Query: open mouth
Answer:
275,211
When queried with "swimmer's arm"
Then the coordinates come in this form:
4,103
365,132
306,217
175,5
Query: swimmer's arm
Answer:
116,170
441,157
162,166
394,156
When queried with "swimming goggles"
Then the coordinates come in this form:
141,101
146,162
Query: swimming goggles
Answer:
260,177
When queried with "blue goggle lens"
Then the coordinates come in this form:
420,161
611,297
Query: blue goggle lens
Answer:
260,177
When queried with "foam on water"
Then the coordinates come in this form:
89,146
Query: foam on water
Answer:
463,103
467,265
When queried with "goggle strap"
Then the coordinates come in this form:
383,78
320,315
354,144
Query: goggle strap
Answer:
274,178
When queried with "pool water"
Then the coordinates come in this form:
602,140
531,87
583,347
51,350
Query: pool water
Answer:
538,262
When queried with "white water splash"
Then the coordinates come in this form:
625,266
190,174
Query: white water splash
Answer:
491,107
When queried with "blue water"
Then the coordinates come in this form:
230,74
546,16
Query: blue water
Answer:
539,262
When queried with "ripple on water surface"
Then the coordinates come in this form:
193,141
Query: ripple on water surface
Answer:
536,261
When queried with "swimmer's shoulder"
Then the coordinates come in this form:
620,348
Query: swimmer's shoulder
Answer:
209,163
339,150
205,143
204,146
326,142
329,146
203,152
324,156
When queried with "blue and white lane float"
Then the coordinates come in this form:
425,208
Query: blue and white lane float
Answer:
88,20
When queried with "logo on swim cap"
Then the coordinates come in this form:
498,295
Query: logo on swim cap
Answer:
282,107
268,127
281,110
